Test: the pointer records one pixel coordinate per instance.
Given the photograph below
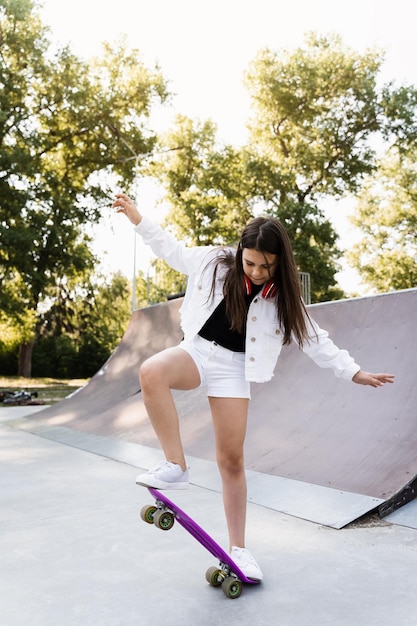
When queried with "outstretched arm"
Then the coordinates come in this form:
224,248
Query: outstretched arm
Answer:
163,244
374,380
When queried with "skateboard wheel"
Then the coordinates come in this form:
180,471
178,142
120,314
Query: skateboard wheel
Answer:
163,519
232,587
147,513
214,576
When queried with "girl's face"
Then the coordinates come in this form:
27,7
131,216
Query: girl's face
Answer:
259,267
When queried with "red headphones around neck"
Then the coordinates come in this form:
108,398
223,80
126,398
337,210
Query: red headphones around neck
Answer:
269,290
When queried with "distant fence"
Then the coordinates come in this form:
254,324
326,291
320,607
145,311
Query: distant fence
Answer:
306,287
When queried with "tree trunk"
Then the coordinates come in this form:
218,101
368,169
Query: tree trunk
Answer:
24,367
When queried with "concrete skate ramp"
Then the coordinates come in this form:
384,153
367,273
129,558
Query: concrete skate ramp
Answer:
317,447
91,408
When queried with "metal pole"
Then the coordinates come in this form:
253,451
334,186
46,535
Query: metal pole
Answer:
135,156
134,235
134,273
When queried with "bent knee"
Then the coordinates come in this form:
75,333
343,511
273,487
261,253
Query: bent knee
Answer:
150,372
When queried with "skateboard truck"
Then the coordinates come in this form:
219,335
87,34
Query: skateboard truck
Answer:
227,575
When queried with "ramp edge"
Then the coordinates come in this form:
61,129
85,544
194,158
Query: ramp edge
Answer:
313,503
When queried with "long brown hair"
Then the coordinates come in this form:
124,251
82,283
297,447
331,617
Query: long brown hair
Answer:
266,235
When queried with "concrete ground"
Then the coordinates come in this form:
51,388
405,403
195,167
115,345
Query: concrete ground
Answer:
73,551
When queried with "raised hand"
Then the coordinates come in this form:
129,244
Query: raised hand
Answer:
124,204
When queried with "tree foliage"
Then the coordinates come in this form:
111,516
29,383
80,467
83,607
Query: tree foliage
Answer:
386,213
77,333
209,201
162,283
317,114
315,110
63,129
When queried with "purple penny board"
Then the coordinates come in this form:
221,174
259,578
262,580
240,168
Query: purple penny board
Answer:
225,560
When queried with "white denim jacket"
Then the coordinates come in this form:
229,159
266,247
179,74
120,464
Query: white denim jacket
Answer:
263,332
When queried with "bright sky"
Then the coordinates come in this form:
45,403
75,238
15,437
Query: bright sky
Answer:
204,49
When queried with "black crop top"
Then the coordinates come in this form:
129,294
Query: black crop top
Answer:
217,327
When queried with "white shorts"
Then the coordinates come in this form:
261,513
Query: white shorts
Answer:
220,369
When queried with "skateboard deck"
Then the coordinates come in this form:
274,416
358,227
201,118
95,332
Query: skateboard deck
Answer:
227,575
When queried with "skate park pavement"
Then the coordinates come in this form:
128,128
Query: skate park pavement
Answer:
75,553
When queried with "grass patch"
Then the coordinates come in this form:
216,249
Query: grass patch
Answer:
49,390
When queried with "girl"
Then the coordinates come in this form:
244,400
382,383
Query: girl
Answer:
240,307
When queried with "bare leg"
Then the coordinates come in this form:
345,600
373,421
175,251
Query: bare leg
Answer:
170,369
229,421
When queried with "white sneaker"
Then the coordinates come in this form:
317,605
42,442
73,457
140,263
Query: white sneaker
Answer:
245,561
165,475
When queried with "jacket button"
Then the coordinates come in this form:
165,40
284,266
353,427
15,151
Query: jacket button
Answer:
252,358
254,318
253,338
277,331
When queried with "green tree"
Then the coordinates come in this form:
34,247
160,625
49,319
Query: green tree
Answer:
80,330
104,310
63,146
316,114
386,213
102,316
205,184
163,283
